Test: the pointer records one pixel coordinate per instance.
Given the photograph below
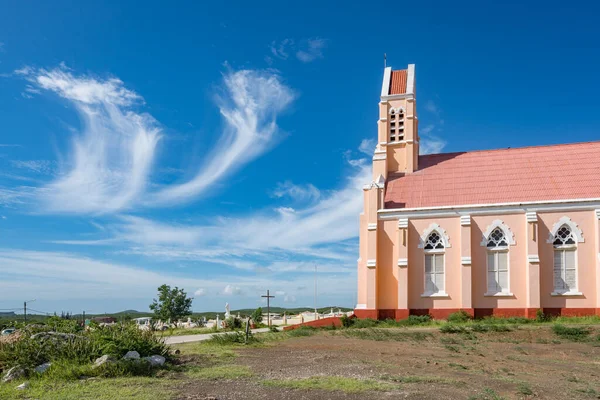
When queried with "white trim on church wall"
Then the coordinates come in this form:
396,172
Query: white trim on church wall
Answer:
496,208
565,221
438,229
510,236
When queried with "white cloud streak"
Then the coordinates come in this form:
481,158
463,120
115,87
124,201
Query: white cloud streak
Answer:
110,161
112,157
312,50
250,108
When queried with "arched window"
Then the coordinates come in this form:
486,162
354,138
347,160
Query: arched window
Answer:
396,125
497,262
434,264
565,260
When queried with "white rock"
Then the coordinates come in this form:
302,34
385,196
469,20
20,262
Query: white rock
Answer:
40,369
23,386
103,360
131,355
155,360
13,373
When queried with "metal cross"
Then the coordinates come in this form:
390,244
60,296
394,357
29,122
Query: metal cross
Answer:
268,308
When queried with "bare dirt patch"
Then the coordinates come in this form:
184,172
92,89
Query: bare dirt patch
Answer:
524,363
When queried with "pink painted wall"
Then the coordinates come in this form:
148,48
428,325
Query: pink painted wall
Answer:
416,265
517,262
387,273
586,260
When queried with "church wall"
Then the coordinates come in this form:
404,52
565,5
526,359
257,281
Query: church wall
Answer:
416,265
387,269
586,260
517,262
362,273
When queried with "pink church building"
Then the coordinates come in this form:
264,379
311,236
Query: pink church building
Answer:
495,232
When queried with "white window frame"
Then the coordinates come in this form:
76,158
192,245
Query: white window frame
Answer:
563,248
435,253
505,291
509,237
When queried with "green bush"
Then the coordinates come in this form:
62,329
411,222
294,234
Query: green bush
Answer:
347,322
418,319
449,328
573,333
232,338
302,331
541,317
459,316
233,323
82,348
365,323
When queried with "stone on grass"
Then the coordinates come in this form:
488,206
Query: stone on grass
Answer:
40,369
23,386
155,360
106,359
131,355
54,335
13,373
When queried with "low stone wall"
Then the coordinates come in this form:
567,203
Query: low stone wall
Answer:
319,323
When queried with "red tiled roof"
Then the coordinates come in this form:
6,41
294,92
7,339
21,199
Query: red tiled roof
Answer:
541,173
398,82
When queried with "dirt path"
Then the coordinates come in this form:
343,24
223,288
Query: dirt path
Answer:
201,337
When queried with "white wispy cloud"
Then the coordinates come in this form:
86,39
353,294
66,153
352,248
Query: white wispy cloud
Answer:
430,140
108,167
200,292
48,275
430,143
306,192
367,146
110,160
285,240
37,166
250,107
281,49
232,290
432,107
311,50
306,50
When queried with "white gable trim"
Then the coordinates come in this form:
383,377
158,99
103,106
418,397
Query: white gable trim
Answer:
565,221
438,229
510,236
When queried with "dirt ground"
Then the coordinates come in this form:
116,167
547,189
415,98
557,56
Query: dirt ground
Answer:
526,363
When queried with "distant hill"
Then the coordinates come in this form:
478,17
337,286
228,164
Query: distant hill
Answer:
130,314
7,314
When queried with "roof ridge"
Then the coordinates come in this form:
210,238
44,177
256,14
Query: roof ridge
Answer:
514,148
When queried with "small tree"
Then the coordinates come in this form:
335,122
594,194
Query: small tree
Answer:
172,304
257,315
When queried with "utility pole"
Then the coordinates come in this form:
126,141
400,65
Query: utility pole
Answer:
25,308
268,308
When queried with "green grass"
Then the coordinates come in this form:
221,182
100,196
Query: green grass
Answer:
379,334
220,372
182,332
209,350
421,379
573,333
332,383
139,388
487,394
525,390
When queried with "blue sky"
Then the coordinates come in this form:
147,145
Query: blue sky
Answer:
222,147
